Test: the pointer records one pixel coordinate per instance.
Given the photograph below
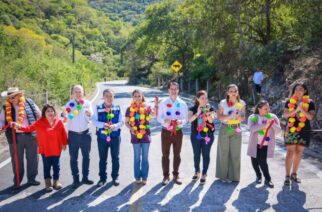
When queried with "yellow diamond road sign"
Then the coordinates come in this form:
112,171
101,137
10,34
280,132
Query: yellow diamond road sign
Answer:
176,66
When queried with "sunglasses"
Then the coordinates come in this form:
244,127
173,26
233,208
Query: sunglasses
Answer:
12,97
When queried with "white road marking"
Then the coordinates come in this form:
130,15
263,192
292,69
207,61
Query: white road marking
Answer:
4,163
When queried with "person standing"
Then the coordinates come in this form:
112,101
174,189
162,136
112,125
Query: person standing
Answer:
108,119
172,115
79,112
299,110
263,127
231,112
202,117
24,111
52,139
137,119
258,78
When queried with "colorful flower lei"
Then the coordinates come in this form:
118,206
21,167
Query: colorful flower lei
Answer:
302,119
73,110
262,131
21,110
177,113
202,125
230,129
109,117
138,117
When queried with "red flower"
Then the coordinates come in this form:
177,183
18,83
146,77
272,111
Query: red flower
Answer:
169,105
230,104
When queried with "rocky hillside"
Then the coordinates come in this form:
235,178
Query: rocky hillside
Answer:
303,65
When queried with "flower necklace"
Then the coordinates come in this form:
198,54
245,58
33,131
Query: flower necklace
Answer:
139,118
202,126
262,132
73,109
21,110
302,119
238,106
109,117
177,113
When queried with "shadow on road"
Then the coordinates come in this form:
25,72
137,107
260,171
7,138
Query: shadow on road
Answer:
247,202
216,197
290,199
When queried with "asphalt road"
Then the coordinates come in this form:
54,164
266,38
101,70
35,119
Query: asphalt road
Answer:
213,196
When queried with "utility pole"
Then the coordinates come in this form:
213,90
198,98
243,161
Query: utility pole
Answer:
73,46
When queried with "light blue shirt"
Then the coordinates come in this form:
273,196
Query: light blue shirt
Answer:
80,122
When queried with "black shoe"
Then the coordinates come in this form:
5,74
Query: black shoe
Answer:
16,187
76,184
295,178
101,183
195,177
269,184
87,182
116,182
165,181
258,180
287,181
33,183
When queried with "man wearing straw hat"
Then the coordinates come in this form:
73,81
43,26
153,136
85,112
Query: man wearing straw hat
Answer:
23,111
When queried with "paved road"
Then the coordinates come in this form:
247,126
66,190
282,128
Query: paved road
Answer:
213,196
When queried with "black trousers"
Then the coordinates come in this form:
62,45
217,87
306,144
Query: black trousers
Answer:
260,163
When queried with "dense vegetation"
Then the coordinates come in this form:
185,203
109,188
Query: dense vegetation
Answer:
36,46
127,10
221,41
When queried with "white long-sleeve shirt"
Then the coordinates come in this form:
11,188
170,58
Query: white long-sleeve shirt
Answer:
100,124
174,110
80,122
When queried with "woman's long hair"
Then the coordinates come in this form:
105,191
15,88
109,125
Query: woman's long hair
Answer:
259,105
302,85
232,86
199,94
139,92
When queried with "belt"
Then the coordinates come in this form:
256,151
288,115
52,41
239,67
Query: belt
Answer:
79,133
22,133
164,128
232,125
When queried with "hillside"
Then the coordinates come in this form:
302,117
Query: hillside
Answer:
36,40
126,10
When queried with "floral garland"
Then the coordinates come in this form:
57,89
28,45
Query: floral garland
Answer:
238,106
138,118
73,110
21,110
202,126
302,119
109,117
262,132
173,126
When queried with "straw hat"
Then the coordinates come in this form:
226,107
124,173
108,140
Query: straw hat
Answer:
12,91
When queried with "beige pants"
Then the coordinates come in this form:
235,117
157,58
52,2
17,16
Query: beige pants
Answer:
228,154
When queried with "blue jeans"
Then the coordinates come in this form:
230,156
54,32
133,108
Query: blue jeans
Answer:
141,161
83,142
103,147
200,147
52,161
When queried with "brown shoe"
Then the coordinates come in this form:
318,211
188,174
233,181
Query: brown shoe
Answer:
48,184
176,180
57,185
165,181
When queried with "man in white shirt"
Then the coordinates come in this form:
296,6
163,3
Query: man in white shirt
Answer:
79,112
173,114
258,77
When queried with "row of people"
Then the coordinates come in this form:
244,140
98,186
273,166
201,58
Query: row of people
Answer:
172,113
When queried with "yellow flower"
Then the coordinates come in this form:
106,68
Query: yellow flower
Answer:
301,124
